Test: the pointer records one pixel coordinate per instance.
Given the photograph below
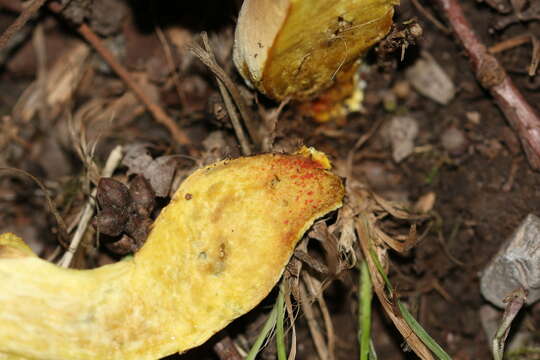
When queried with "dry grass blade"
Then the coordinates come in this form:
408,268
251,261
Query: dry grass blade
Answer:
247,115
292,318
316,290
207,57
430,17
112,162
314,329
517,41
157,112
170,61
364,228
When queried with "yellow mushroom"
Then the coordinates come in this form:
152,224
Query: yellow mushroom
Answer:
213,254
298,48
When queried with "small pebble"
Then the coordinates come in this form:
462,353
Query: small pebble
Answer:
454,141
402,89
473,117
431,80
401,132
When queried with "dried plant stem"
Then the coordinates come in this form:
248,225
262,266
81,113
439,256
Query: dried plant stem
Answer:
247,115
207,58
112,163
157,112
314,328
23,18
430,17
315,288
170,60
520,40
521,115
364,228
292,318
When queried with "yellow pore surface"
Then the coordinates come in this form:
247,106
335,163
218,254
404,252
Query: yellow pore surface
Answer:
213,254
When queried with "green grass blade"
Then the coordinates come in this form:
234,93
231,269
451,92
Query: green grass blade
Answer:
280,332
409,319
267,328
364,312
422,334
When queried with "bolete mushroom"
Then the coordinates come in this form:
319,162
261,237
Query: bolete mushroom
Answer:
298,48
213,254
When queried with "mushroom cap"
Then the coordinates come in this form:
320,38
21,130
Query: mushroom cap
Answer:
294,48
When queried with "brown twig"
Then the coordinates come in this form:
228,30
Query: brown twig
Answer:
243,108
170,61
157,112
23,18
421,9
517,41
522,117
206,56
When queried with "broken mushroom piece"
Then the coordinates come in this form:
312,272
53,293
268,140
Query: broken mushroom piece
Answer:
213,254
295,49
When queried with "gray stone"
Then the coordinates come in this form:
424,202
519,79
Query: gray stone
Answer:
517,264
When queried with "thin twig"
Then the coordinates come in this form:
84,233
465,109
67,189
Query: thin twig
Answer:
521,115
510,43
292,318
38,40
315,288
359,143
112,163
231,110
430,17
245,112
517,41
170,60
23,18
314,329
157,112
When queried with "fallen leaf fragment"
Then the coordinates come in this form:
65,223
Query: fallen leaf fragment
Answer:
214,253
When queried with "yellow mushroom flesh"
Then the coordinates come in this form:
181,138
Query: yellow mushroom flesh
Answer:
213,254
